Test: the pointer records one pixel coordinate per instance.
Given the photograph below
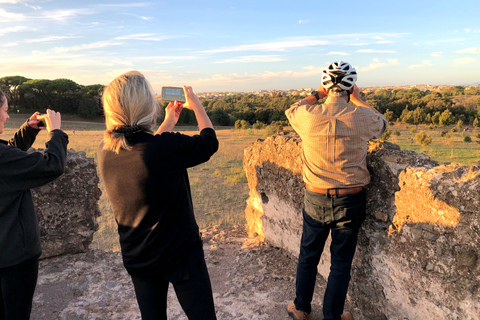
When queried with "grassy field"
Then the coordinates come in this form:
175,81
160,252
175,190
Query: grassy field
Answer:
219,187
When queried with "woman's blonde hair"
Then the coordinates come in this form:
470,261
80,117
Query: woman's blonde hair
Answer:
129,106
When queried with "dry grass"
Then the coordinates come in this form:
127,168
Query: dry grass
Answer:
219,187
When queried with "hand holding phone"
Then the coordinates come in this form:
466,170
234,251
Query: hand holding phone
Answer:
171,94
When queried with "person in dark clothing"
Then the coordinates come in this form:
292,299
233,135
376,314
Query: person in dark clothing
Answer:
145,176
19,233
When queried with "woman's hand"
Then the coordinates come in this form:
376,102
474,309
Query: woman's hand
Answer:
33,122
172,112
192,103
53,120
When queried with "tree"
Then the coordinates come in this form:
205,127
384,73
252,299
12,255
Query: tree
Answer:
423,139
418,116
388,115
446,118
436,117
219,117
475,123
459,124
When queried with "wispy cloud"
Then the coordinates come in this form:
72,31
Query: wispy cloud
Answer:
6,16
425,63
383,42
51,38
246,77
469,51
338,53
377,64
124,5
146,37
10,44
87,46
269,46
464,61
303,21
13,1
65,15
446,41
375,51
436,54
14,29
247,59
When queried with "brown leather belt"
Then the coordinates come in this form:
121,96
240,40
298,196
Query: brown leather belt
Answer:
334,191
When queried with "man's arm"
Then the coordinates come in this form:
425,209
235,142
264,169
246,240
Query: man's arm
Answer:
356,100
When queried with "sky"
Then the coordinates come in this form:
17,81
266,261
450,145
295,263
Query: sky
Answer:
241,46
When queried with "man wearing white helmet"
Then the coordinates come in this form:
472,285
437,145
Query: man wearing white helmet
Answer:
335,139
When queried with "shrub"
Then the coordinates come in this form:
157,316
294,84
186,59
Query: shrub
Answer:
444,133
423,139
258,125
413,130
454,130
396,132
270,130
386,135
467,139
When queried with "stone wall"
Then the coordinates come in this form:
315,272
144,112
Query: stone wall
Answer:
67,208
419,248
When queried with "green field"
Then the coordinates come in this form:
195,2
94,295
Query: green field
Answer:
219,187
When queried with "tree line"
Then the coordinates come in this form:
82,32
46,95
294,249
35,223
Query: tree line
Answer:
66,96
411,106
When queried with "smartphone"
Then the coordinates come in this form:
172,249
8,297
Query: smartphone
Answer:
41,118
170,94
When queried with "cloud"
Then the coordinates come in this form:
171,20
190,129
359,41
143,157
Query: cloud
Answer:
246,77
50,38
6,16
464,61
13,29
436,54
384,42
311,41
247,59
65,15
125,5
377,64
10,44
146,37
375,51
87,46
425,63
337,53
303,21
447,40
270,46
469,51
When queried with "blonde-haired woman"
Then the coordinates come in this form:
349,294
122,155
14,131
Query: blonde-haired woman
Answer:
145,176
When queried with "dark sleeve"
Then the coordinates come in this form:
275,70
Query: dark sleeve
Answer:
194,150
24,137
20,170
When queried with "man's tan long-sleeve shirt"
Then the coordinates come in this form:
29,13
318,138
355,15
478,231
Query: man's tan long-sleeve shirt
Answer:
335,139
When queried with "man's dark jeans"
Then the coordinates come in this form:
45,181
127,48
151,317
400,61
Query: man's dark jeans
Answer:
342,215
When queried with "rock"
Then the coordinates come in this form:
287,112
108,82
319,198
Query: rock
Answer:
67,208
416,209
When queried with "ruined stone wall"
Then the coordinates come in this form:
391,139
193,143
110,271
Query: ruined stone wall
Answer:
67,208
419,248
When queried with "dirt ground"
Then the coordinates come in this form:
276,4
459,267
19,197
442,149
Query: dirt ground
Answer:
250,280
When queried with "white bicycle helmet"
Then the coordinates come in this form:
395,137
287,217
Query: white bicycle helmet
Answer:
339,74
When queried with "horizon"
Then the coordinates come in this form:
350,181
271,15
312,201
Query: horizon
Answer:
227,46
